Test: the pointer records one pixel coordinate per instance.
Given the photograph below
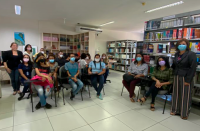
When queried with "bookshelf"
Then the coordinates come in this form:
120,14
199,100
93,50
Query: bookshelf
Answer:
123,52
54,43
162,34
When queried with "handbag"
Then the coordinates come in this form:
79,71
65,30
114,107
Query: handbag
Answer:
128,78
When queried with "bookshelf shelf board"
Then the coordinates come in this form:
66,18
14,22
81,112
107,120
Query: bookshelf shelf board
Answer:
110,52
46,41
54,49
165,41
62,42
124,53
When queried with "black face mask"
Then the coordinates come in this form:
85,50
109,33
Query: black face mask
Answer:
41,60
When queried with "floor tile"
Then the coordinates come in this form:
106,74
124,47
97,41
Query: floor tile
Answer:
7,98
40,125
85,128
7,129
105,99
23,104
77,104
135,120
7,107
93,113
194,118
67,121
110,124
114,107
128,103
59,110
158,127
26,116
177,124
6,120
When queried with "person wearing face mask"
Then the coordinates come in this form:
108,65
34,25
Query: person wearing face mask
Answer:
162,77
25,69
88,58
11,61
104,59
43,87
138,68
41,51
73,72
53,67
82,61
97,70
28,50
184,64
60,60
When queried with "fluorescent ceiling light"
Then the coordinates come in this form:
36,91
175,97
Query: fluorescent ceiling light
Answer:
107,23
17,10
166,6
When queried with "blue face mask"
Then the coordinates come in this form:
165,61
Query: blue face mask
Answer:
138,58
51,61
182,47
72,59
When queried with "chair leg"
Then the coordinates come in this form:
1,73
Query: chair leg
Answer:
89,91
103,91
55,98
63,96
82,94
32,102
165,104
122,90
138,93
51,95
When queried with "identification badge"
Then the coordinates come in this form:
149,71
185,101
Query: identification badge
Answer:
27,73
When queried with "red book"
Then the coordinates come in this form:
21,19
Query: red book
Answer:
185,33
180,33
174,34
198,48
191,33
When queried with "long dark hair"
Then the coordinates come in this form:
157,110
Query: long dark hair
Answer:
135,62
166,62
27,47
29,62
38,55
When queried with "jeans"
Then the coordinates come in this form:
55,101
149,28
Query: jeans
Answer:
43,93
131,87
26,86
14,76
94,80
153,91
76,86
106,75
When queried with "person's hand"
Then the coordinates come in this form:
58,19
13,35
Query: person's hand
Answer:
43,79
90,73
8,70
54,75
74,79
137,76
99,74
186,84
129,73
158,84
50,80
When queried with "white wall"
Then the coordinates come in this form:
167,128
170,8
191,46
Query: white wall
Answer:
110,35
33,30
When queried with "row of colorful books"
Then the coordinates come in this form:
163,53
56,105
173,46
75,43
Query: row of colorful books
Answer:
175,34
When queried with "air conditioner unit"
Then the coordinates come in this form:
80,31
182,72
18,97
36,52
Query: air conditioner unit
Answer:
81,29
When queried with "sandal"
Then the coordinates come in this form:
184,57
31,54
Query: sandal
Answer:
14,93
173,114
141,101
152,108
184,118
18,92
132,99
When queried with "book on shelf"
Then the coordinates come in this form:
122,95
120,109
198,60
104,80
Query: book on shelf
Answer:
152,60
175,34
160,48
150,48
180,33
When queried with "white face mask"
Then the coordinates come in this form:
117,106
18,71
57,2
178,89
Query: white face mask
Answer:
104,57
87,58
42,52
97,60
61,56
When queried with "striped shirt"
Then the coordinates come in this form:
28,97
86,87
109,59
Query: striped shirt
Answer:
141,69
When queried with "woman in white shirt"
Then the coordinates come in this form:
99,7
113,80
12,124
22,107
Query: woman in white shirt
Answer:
82,61
28,51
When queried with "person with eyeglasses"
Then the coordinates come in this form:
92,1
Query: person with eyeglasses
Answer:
97,70
73,72
138,68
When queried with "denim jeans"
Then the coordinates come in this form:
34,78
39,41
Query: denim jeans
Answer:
95,79
26,86
76,86
106,75
14,76
43,93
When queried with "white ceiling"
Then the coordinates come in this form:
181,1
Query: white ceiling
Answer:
128,14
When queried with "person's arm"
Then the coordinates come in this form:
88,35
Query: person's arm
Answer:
103,70
154,78
5,59
130,69
6,67
171,76
192,68
22,74
90,68
40,74
77,74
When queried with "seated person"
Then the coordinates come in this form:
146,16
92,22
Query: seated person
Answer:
41,51
73,72
43,88
96,70
53,68
82,61
105,59
88,58
163,76
138,69
25,69
60,60
77,57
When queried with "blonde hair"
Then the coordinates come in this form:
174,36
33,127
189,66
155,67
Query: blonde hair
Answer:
106,59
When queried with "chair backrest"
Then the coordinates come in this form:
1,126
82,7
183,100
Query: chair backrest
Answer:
33,73
63,72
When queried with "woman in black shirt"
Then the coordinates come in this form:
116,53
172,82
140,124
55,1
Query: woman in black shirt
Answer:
11,60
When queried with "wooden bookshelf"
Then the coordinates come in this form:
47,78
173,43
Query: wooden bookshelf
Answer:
67,43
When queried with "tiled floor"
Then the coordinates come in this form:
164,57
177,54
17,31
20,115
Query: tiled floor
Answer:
114,113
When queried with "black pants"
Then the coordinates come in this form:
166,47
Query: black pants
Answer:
153,90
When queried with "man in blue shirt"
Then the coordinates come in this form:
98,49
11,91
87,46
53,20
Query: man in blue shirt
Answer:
96,70
73,72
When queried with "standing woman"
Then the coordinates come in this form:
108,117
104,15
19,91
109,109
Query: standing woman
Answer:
28,51
106,61
11,60
185,67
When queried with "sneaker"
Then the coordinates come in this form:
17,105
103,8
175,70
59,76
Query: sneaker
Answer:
100,97
21,96
48,106
38,106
